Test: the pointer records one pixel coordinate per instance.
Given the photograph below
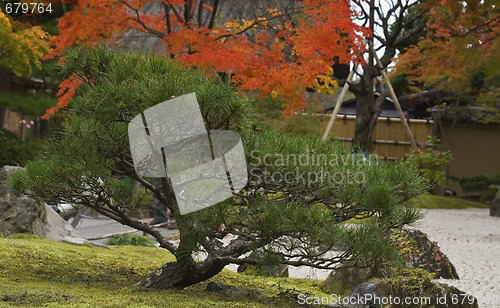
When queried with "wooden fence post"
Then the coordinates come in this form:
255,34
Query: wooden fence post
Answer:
339,103
394,98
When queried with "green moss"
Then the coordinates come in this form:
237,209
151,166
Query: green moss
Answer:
439,202
37,272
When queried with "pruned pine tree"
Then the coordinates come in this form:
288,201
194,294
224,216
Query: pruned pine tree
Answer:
296,209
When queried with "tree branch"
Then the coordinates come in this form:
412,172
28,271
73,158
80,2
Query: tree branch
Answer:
212,16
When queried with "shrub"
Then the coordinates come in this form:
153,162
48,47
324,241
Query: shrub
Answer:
131,239
14,151
478,183
432,161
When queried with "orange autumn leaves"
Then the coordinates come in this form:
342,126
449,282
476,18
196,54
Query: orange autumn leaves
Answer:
67,90
462,38
274,54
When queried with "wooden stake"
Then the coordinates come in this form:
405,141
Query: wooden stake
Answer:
339,103
394,98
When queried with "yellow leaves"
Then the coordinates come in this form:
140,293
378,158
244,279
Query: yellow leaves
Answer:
4,23
273,12
324,84
22,49
246,25
232,25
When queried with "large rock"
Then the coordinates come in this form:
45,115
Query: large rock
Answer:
264,270
342,280
364,296
495,207
422,253
419,251
379,294
22,214
19,213
489,194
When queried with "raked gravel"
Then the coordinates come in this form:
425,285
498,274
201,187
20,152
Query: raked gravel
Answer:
471,240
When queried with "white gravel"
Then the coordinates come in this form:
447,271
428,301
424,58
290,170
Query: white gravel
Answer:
471,240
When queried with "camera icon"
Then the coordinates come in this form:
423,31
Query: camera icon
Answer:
170,140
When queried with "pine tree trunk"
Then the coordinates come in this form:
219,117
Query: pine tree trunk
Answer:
173,276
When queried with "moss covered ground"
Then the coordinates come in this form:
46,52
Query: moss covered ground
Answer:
36,272
426,201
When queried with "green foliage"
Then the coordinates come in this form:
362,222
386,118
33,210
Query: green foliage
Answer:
400,84
21,50
27,104
490,194
131,239
300,124
14,151
432,161
307,123
410,283
478,183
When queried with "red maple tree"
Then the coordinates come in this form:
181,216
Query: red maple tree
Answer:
277,54
461,38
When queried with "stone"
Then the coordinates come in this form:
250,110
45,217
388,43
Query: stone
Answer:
22,214
342,280
219,287
377,294
264,270
365,295
420,252
426,254
495,207
57,229
489,194
454,298
19,213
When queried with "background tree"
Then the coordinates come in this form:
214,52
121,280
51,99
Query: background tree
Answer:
458,54
278,52
394,24
300,193
21,50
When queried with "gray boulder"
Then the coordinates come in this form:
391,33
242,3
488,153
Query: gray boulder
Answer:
22,214
342,280
19,213
495,207
264,270
427,255
377,294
